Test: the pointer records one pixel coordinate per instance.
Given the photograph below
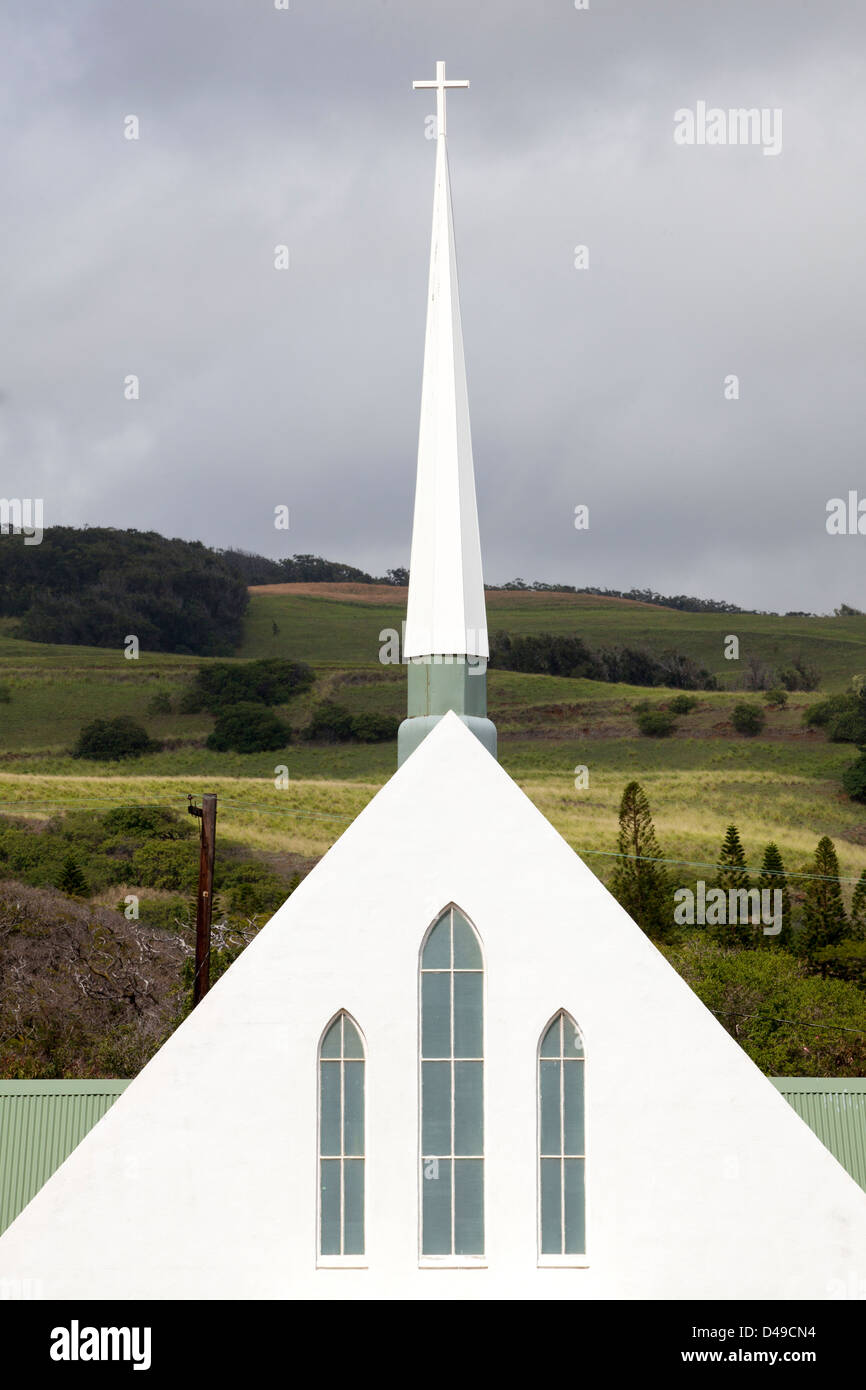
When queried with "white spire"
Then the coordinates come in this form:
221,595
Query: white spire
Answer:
446,613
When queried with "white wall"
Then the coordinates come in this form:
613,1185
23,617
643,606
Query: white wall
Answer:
201,1180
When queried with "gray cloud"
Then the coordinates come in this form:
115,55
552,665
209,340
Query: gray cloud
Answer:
302,387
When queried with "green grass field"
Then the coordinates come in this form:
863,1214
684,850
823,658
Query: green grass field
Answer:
331,632
783,785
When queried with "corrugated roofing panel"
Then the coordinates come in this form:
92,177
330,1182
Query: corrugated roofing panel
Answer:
41,1122
835,1108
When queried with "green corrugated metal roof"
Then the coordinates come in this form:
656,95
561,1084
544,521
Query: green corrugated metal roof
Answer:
835,1108
41,1122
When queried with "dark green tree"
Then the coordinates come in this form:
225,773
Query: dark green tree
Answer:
748,719
639,881
854,779
772,877
824,919
107,740
731,873
731,868
248,727
71,880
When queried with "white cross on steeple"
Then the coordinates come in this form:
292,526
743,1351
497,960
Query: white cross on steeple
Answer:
440,85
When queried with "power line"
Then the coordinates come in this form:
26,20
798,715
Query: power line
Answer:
797,1022
259,808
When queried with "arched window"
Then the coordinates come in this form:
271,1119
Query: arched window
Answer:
562,1156
341,1139
452,1089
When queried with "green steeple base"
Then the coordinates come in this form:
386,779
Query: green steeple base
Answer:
440,684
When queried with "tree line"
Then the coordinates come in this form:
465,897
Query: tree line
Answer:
97,586
557,654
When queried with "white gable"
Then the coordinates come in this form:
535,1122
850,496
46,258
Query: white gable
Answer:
201,1181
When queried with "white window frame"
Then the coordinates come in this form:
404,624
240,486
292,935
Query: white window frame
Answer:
578,1260
451,1261
339,1261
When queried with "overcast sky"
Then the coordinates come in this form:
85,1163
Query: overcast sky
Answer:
602,386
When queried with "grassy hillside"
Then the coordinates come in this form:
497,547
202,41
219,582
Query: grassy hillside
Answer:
782,785
333,628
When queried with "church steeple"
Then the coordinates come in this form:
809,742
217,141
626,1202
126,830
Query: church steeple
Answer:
446,622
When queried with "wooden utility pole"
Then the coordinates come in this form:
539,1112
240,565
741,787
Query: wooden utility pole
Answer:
204,908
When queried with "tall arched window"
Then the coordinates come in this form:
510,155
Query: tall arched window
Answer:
562,1155
452,1089
341,1139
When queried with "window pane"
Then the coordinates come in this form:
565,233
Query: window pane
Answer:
330,1180
575,1236
468,1207
467,952
436,1107
353,1214
436,1206
330,1117
468,1107
437,952
331,1040
436,1015
573,1042
550,1044
573,1085
353,1108
551,1206
467,1015
551,1135
351,1039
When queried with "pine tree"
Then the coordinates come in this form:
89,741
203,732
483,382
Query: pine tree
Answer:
639,881
772,876
71,880
825,923
732,873
858,909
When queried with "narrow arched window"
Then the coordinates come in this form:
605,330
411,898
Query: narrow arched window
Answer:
452,1089
562,1156
341,1139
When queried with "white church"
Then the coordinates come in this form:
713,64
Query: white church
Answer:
451,1066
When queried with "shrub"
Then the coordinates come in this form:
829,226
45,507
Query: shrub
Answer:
854,779
147,823
777,698
330,723
818,716
254,888
333,723
848,727
682,704
164,913
171,866
800,676
272,681
748,719
105,740
790,1022
247,727
5,694
374,728
656,723
160,703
